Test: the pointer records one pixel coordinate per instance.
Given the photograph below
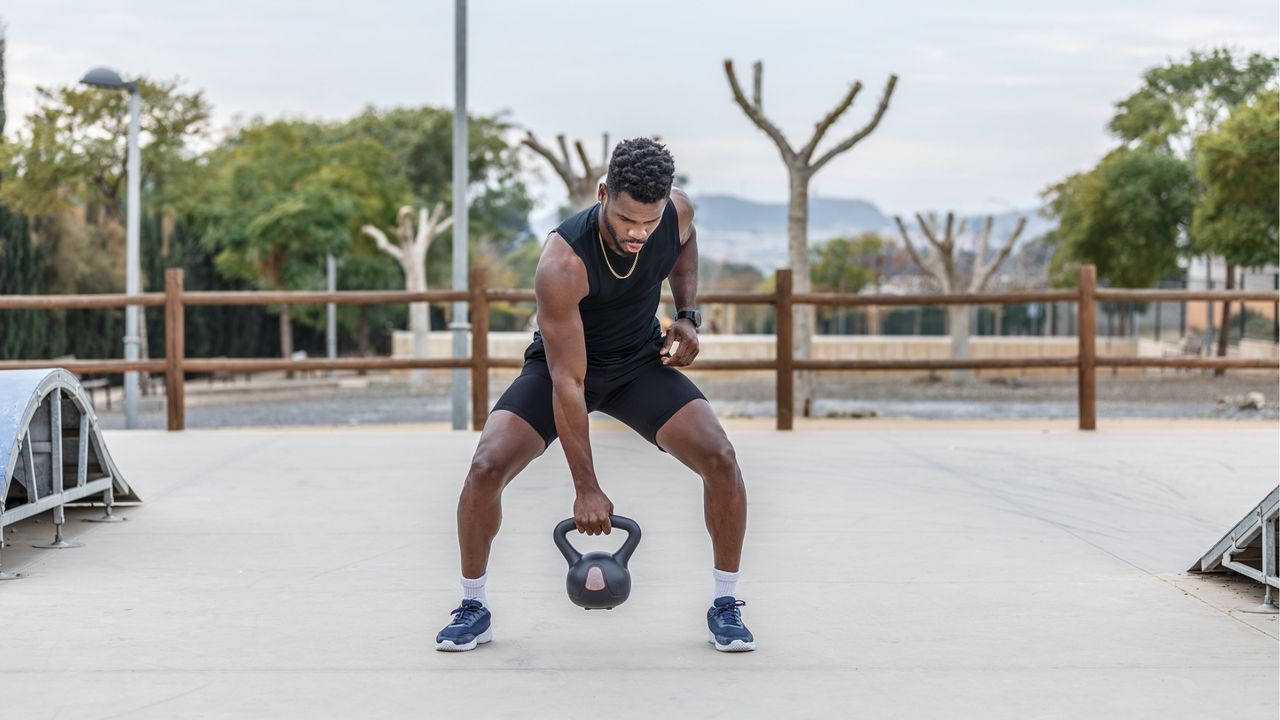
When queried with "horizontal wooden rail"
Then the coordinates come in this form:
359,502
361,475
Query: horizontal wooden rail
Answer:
510,295
1189,362
79,302
345,297
93,367
966,364
277,364
734,298
845,299
1109,295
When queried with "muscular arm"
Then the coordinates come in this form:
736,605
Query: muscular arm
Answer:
684,285
560,283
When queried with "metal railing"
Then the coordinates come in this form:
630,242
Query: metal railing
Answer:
175,364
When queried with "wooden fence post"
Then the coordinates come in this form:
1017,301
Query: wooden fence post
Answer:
783,351
175,349
479,350
1086,334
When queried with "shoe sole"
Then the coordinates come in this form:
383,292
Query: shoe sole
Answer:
449,646
733,645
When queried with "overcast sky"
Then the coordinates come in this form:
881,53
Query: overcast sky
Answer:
996,99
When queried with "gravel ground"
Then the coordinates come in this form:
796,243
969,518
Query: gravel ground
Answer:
273,401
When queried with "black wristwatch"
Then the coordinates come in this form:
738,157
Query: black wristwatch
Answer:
693,315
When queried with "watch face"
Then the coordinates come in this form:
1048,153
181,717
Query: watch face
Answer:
693,315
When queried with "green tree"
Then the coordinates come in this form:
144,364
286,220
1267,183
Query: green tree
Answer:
1182,99
1125,216
845,265
1138,240
421,142
1237,166
282,195
66,171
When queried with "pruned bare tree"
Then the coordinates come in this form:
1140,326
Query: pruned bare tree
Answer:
802,164
411,252
581,186
942,266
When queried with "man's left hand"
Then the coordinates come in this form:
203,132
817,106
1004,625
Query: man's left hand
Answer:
680,344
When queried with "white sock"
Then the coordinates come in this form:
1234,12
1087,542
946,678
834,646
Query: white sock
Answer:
726,583
474,589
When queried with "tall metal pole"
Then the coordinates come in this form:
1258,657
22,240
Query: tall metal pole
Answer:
133,264
331,310
460,326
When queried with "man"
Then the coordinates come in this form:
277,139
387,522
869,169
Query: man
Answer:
600,347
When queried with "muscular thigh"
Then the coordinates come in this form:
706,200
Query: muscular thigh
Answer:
507,445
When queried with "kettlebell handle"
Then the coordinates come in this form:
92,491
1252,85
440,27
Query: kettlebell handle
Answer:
623,555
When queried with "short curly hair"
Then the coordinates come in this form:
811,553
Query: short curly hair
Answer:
641,168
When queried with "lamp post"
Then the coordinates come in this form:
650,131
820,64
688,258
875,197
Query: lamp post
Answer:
460,326
106,78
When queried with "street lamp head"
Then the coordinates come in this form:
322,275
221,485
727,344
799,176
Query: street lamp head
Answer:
107,78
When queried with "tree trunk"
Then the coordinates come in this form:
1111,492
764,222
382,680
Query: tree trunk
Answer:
958,324
286,336
1225,334
415,279
584,197
798,252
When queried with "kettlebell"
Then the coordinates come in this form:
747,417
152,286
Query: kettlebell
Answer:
598,580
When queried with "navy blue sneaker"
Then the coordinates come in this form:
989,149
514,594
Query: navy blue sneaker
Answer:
724,621
469,628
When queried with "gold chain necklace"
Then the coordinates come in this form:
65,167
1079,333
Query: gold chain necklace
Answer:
605,254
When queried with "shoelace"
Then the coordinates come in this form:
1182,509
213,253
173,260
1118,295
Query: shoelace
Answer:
466,614
729,614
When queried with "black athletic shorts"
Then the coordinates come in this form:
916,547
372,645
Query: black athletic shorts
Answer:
641,392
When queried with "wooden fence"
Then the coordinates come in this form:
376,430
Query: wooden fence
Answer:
175,364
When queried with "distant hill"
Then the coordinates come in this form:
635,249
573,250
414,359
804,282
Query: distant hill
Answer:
827,216
739,230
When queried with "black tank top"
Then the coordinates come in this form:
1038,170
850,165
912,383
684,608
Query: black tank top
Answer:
619,317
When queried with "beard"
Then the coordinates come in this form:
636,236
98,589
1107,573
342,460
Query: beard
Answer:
614,245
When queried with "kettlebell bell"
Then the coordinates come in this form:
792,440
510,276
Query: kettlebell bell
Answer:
598,580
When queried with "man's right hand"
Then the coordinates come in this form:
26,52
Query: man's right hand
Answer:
591,511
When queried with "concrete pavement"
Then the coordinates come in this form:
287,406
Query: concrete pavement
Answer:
891,571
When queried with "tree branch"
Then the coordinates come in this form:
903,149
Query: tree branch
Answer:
404,226
532,143
865,131
437,225
757,86
929,232
564,151
984,241
422,240
826,122
582,155
757,117
911,250
380,239
980,279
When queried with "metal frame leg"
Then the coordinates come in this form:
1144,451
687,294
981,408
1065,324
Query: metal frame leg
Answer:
1268,606
59,518
4,575
109,499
